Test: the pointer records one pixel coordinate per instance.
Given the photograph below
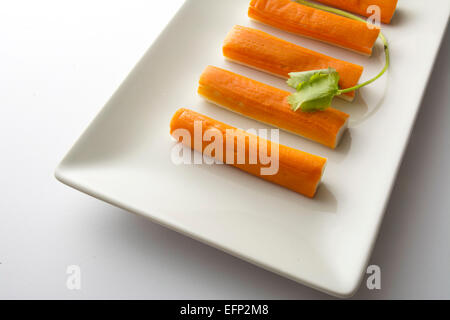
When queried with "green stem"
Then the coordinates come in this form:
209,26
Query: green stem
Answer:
330,9
352,16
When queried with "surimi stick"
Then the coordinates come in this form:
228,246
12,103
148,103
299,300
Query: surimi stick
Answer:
297,170
302,20
269,105
262,51
362,7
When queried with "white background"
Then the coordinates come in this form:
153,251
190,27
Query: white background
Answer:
60,61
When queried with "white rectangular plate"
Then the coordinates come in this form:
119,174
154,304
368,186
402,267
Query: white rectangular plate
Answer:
124,156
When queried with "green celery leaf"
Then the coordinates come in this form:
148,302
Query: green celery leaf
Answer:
297,78
315,89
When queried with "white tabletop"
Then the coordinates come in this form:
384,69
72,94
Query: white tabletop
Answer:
59,64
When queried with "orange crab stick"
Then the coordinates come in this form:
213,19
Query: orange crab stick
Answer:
361,7
262,51
296,170
293,17
269,105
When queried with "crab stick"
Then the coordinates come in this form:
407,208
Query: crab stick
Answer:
262,51
269,105
363,7
302,20
297,170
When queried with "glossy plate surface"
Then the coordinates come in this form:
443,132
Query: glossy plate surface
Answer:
124,157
